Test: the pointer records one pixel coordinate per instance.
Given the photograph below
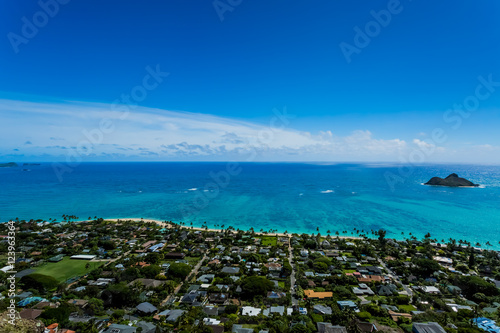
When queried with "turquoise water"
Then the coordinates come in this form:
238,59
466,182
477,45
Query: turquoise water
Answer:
284,196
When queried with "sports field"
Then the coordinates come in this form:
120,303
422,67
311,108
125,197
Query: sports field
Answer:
67,268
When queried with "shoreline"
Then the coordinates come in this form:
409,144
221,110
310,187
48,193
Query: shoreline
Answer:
169,225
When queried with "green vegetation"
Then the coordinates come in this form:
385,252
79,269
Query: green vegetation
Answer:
179,270
407,308
67,268
8,165
255,286
39,282
268,240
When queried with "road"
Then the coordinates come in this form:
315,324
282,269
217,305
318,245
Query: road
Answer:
292,276
396,278
194,271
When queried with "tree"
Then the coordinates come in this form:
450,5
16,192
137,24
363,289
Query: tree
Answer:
381,236
320,266
119,295
231,308
95,306
427,266
179,270
39,282
472,260
256,285
299,328
58,315
151,271
153,258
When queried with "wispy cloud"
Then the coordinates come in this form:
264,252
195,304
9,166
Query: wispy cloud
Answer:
148,133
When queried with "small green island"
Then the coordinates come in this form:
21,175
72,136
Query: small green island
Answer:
8,165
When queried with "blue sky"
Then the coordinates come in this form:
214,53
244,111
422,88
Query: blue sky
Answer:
226,76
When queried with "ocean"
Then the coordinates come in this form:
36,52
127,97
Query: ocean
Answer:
292,197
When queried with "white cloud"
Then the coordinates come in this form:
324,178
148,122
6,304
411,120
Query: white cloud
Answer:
150,133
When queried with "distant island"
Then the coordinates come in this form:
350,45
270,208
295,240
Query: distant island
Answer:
8,165
451,181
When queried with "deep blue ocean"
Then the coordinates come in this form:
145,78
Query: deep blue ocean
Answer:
293,197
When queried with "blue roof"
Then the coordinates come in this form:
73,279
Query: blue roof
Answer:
30,300
487,324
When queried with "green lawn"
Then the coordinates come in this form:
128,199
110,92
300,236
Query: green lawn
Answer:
191,260
67,268
406,308
250,325
268,240
281,284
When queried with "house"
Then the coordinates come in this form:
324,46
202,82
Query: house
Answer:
211,310
239,329
250,311
325,244
456,307
30,313
348,305
30,300
430,290
322,309
362,289
52,328
317,295
370,278
211,321
386,289
395,315
156,248
146,308
101,282
230,270
274,309
57,258
81,303
24,294
370,270
487,324
273,266
83,257
454,289
367,327
275,295
218,298
115,328
206,278
443,260
170,315
190,297
148,283
430,327
389,307
329,328
174,255
146,327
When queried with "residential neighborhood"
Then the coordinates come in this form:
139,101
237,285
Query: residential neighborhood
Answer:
137,276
